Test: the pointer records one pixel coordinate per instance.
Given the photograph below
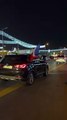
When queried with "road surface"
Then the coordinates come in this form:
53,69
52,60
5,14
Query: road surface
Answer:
46,99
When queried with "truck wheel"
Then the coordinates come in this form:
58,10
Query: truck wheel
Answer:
30,79
45,72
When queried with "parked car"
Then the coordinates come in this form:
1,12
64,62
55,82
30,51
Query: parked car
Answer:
22,67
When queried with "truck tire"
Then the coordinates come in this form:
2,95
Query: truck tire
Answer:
45,72
30,79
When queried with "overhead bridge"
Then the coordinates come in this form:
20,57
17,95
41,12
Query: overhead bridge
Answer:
17,41
12,40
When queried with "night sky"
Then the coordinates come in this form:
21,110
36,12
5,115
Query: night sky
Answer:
35,22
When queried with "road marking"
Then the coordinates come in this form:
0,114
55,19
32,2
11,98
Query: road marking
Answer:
10,89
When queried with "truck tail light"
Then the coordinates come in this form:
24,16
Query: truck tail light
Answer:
21,66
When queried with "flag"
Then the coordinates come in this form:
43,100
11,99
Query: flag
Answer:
35,53
36,50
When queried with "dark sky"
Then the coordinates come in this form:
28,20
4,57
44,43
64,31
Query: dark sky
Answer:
35,22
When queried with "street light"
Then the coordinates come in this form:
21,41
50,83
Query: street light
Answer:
47,44
2,37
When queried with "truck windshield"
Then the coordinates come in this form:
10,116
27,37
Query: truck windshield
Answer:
15,59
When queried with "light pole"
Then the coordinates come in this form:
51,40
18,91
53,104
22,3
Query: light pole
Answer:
47,44
2,37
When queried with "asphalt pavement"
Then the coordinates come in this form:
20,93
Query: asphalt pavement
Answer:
46,99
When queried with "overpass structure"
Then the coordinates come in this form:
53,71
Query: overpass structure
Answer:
14,40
